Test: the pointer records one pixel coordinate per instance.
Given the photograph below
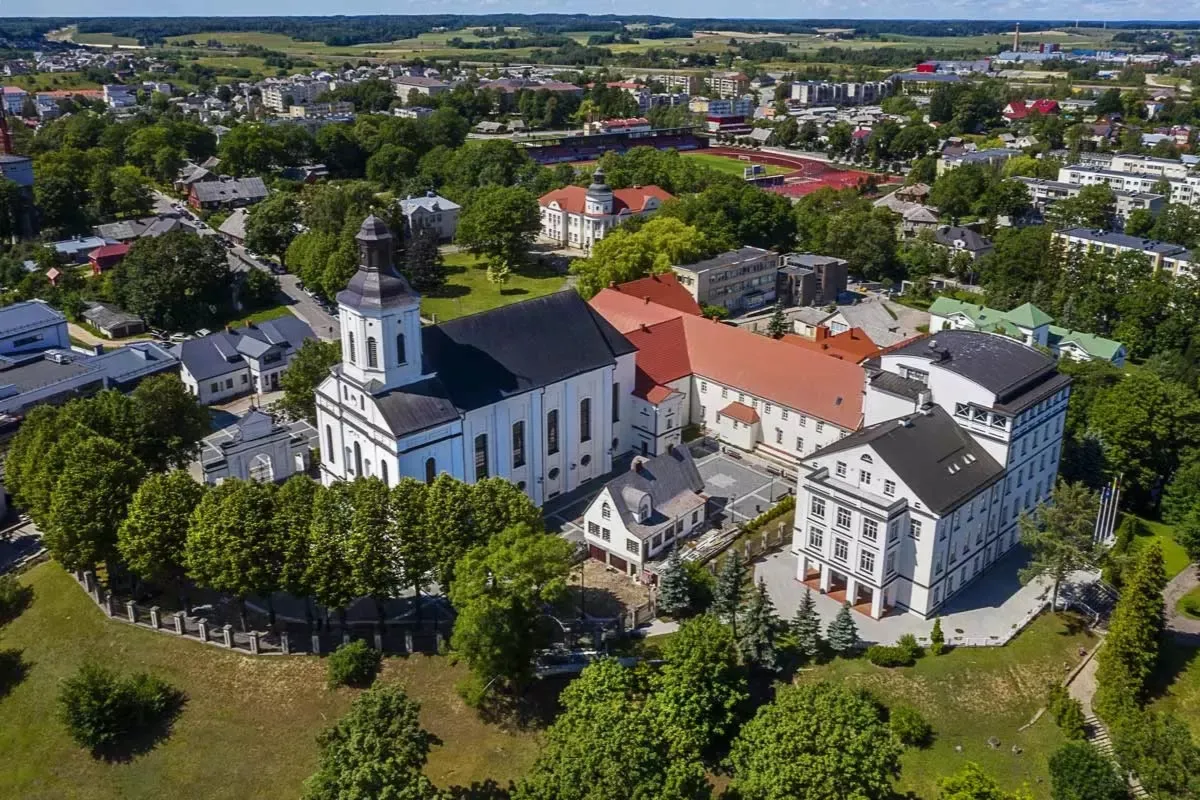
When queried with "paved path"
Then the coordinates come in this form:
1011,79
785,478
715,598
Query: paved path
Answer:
1181,584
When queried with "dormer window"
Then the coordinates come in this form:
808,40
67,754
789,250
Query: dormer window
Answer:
644,510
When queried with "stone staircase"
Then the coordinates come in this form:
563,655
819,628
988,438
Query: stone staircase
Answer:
1097,734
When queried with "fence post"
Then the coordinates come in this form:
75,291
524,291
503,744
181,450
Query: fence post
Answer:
109,607
89,582
408,642
179,622
316,644
379,641
254,643
227,635
345,636
131,610
154,621
203,625
284,644
438,641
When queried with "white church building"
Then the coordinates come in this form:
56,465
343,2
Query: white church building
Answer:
537,392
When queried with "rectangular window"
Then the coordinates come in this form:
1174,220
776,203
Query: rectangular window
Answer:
961,409
724,393
914,529
843,518
817,509
841,550
840,469
229,383
799,444
866,562
890,563
870,530
585,419
779,436
552,432
865,476
593,529
820,427
816,538
616,402
214,387
785,413
766,408
518,444
481,457
606,534
803,421
703,386
633,546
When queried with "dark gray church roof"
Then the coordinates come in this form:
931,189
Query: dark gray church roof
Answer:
939,461
416,406
376,283
486,357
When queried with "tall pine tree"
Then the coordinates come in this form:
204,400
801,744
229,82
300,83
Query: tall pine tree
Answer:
673,597
727,596
760,624
423,262
778,325
843,633
806,626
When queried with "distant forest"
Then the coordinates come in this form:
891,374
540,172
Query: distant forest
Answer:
341,31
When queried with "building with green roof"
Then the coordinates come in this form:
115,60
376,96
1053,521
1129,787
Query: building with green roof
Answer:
1027,323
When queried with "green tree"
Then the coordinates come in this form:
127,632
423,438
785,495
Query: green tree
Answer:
90,499
151,539
1160,749
972,783
168,420
271,225
104,712
759,627
374,549
806,626
498,592
423,262
417,553
699,688
937,639
377,750
625,254
330,565
293,530
842,633
1060,535
496,505
307,369
778,325
728,593
231,545
867,239
130,192
957,191
1131,649
607,743
1006,199
392,166
1079,771
811,738
173,281
1093,207
673,586
448,520
500,222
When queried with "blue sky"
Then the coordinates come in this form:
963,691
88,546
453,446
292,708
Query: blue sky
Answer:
856,9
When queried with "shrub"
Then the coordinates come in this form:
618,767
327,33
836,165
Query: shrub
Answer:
1079,771
103,711
904,653
909,727
354,664
14,597
937,639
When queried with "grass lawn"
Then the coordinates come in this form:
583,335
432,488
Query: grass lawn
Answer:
102,38
467,291
1175,558
971,694
1180,677
1189,604
734,166
247,729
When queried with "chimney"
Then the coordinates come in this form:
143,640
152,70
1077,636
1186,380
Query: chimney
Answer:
645,327
636,466
822,333
646,299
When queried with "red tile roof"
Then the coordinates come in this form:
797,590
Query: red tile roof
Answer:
852,345
573,199
626,312
1045,106
664,289
741,412
1016,110
827,388
109,251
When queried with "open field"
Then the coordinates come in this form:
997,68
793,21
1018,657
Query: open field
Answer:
49,81
102,38
733,166
1175,558
247,729
971,694
468,290
1180,677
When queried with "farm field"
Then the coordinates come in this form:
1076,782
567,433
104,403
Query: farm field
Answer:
248,727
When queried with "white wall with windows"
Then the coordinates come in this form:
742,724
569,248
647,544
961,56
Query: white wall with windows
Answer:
610,541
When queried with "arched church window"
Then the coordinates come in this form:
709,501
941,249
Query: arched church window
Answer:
353,357
372,352
401,353
430,469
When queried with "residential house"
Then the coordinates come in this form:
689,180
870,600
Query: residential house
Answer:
577,218
728,84
130,230
106,257
1029,324
640,515
957,239
422,85
873,316
992,158
1173,258
234,226
32,326
738,280
1045,193
112,322
227,193
76,249
221,366
431,212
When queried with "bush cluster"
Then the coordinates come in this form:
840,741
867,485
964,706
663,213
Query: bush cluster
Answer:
904,653
103,711
909,727
354,664
1067,712
14,597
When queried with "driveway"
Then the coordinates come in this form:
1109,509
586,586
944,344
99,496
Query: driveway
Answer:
17,543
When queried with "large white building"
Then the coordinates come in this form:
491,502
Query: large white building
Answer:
536,392
578,218
964,431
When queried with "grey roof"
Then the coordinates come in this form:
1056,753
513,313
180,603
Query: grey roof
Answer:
483,358
41,370
1124,240
375,284
416,406
940,462
811,260
761,134
27,316
221,353
77,245
429,202
106,317
1003,366
671,481
255,424
973,241
892,383
146,227
726,259
929,77
226,191
235,225
137,360
871,315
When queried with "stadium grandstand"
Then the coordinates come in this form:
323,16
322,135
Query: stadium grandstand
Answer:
572,147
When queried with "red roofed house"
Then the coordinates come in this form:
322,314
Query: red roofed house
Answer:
853,345
107,257
754,393
576,217
1017,109
664,289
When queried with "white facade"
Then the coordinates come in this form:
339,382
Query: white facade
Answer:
567,225
610,540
